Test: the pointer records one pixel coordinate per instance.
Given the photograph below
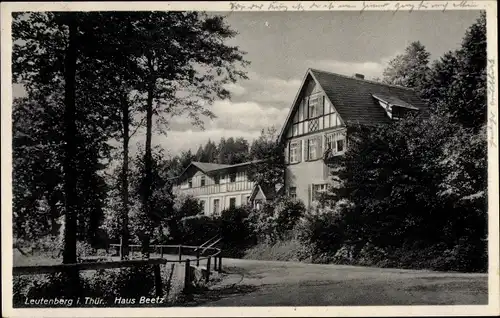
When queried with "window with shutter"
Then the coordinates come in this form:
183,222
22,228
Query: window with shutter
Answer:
321,105
299,151
312,148
294,152
319,143
287,153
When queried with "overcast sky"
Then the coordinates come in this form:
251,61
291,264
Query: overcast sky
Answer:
282,45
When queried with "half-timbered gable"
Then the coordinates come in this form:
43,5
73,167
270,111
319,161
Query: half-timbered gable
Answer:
316,125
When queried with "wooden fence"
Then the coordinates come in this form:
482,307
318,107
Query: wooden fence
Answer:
199,253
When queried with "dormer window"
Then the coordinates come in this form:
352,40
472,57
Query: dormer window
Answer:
398,112
232,177
202,181
393,106
190,183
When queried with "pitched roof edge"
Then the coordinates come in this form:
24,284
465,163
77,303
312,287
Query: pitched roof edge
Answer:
362,80
193,163
283,128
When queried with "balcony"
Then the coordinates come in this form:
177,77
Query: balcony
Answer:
218,188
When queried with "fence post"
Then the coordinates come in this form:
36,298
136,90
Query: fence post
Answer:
180,252
158,283
215,263
161,251
220,263
187,276
207,277
197,257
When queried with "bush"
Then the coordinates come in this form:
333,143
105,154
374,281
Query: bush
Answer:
263,223
236,231
276,220
84,249
49,246
39,286
186,205
287,212
106,284
195,230
125,283
282,250
322,233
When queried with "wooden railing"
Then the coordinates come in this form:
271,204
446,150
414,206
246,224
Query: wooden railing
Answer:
182,250
218,188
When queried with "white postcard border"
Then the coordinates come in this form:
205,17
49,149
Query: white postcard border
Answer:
493,185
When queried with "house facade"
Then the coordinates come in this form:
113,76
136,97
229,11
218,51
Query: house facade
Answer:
316,125
316,128
216,186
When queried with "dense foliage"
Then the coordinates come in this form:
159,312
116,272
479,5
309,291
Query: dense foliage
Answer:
276,220
414,192
88,76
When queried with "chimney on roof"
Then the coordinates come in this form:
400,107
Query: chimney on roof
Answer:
359,76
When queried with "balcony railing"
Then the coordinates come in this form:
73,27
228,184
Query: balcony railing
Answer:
218,188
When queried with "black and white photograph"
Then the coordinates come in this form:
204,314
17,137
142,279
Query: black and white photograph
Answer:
250,155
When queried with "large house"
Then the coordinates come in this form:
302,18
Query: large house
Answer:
216,186
316,125
325,105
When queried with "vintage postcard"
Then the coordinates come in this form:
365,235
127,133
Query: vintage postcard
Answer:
329,158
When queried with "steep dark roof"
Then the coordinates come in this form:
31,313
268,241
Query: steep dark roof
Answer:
269,191
207,166
354,101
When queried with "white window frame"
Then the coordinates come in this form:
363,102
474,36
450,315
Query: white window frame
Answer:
332,140
313,105
216,208
312,144
230,199
294,152
316,189
203,181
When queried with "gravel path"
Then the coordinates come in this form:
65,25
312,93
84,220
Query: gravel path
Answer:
268,283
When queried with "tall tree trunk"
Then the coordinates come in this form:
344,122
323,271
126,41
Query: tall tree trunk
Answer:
148,167
69,252
70,177
125,199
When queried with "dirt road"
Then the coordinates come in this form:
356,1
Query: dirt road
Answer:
267,283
